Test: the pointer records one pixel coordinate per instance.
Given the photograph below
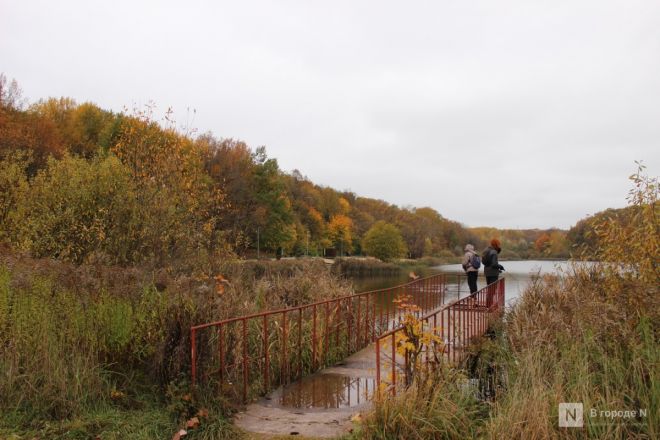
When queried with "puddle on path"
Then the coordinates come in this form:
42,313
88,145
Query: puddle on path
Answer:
327,391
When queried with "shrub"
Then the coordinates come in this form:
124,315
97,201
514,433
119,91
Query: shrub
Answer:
384,241
76,207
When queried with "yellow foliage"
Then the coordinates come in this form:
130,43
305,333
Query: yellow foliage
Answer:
415,336
340,229
631,245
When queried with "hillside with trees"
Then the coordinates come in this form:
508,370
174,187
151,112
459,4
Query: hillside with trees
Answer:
80,183
523,244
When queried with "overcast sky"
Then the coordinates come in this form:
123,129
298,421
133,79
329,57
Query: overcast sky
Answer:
502,113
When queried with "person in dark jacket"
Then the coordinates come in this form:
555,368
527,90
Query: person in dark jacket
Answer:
492,268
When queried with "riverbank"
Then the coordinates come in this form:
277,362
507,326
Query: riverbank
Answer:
369,266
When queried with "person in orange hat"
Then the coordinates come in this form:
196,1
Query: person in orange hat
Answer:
492,266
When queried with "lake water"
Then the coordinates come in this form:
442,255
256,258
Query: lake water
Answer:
367,283
517,274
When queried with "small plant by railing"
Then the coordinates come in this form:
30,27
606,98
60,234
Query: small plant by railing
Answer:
418,345
414,336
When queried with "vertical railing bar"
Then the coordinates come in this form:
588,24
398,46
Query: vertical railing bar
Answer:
314,338
266,366
245,361
380,318
222,353
393,364
284,368
338,324
193,355
373,321
377,369
300,361
326,337
366,324
357,325
349,318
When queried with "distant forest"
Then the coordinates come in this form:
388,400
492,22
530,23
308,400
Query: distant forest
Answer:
83,184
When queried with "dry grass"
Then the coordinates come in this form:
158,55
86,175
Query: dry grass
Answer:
80,343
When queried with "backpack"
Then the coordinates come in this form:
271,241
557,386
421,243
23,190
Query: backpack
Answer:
487,258
475,261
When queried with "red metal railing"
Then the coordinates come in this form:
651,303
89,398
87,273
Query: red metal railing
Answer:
455,325
255,353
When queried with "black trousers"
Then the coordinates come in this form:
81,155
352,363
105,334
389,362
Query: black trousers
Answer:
491,280
472,280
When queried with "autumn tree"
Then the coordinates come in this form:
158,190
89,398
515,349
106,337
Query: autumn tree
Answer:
384,241
340,231
542,243
231,166
179,207
26,130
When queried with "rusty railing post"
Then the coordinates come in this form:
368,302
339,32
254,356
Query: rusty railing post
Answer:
314,338
300,361
222,353
193,355
377,368
393,364
284,368
266,369
245,360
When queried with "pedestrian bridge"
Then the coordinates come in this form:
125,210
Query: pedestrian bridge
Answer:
334,355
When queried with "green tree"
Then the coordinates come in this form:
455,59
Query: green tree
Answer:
383,240
274,212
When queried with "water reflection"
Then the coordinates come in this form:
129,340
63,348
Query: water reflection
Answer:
365,283
327,391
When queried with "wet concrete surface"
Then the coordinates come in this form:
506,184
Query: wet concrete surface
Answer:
325,391
320,405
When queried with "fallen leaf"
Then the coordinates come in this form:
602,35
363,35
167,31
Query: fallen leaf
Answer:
203,412
192,423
